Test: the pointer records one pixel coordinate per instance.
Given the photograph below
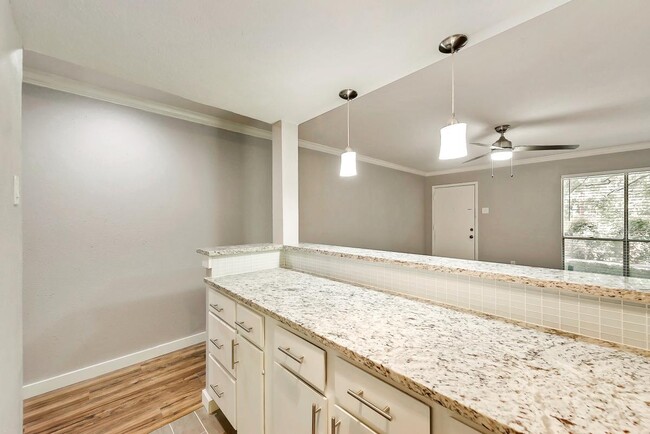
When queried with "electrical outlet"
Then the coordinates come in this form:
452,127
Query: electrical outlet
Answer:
513,262
485,210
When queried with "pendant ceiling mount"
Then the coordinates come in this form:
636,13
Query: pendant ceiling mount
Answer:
452,43
348,94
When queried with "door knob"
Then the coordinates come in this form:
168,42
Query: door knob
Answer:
471,237
471,229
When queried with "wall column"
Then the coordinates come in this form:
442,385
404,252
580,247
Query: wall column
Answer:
285,183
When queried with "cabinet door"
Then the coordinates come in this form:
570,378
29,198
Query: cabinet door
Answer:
250,388
343,423
296,407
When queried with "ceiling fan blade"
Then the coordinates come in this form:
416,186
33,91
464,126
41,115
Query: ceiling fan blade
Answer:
545,147
476,158
482,144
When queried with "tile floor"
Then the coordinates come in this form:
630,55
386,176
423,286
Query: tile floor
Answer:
198,422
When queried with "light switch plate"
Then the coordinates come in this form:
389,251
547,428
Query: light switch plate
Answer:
16,190
485,210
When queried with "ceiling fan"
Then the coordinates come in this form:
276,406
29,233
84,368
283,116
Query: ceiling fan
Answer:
503,148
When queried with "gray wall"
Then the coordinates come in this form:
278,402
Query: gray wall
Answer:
11,365
116,202
524,223
380,208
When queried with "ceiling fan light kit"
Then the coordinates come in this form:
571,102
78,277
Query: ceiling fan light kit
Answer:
453,137
502,149
349,157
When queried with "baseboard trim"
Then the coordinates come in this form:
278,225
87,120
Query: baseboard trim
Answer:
53,383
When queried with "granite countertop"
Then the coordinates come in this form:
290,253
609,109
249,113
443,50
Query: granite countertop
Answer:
505,377
627,288
238,250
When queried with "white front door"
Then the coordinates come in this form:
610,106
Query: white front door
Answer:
454,221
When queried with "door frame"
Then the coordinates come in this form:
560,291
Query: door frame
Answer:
433,204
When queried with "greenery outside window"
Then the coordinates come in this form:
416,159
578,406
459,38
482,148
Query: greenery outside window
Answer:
606,223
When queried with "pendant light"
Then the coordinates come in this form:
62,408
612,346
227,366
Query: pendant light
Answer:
349,157
453,137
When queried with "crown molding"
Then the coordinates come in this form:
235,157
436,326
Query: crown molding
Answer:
64,84
377,162
549,158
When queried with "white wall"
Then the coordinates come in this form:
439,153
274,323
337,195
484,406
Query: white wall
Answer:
11,419
116,202
380,208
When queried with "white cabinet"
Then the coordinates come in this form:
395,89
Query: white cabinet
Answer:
296,407
377,404
250,388
221,387
235,366
447,422
221,343
302,358
344,423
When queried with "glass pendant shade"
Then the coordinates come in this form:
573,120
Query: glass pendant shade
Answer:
453,141
348,163
504,155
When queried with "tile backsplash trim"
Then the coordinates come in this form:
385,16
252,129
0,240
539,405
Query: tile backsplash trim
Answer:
602,318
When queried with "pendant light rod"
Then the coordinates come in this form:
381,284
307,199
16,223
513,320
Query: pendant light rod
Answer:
348,95
349,157
453,137
451,45
348,105
453,88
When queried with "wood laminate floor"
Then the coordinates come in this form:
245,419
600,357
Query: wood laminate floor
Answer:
136,400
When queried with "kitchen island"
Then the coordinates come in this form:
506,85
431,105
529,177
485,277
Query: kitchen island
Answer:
493,374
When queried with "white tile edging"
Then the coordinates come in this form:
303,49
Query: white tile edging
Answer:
53,383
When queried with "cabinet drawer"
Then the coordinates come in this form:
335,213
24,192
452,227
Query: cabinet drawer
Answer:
344,423
300,357
221,342
250,325
222,306
379,405
221,387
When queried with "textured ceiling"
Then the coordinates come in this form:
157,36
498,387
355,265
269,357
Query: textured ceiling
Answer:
577,74
268,60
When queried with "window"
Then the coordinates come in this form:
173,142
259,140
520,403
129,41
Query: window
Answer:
606,223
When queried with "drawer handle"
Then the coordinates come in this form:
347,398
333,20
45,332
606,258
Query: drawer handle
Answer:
335,426
233,344
216,343
287,351
314,412
216,391
383,412
243,326
216,307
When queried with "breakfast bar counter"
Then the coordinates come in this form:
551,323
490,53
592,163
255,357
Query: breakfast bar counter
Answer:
502,376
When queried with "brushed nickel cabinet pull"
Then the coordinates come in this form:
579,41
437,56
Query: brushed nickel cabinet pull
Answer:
233,344
243,326
287,351
383,412
314,412
335,426
216,391
216,343
216,307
